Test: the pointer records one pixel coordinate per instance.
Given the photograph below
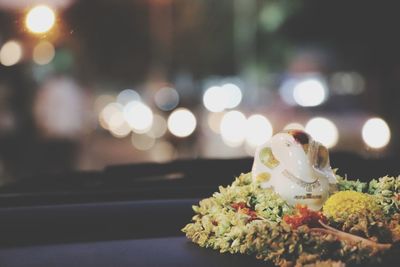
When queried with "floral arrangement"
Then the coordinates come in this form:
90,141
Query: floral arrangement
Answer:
358,225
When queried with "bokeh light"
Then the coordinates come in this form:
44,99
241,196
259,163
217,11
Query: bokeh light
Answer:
213,99
102,122
309,93
323,130
43,53
219,98
143,141
107,113
59,108
233,128
163,151
182,122
259,130
376,133
166,98
40,19
127,95
118,126
293,126
159,127
138,116
286,91
214,121
347,83
10,53
232,95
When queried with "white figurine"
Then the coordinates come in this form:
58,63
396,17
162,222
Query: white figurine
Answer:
296,167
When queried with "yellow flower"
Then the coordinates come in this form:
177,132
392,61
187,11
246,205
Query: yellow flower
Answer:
345,203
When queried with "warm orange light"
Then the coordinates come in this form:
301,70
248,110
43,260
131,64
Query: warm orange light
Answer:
40,19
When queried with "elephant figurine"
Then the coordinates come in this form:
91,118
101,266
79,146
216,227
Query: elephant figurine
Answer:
296,167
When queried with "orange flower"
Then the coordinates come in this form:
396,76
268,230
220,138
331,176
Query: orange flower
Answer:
304,216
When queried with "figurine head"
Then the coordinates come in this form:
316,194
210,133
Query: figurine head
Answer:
291,161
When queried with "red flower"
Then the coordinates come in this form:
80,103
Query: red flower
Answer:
243,208
304,216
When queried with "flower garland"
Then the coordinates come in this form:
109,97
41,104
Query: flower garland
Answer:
244,218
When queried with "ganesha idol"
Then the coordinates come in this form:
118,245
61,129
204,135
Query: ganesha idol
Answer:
296,167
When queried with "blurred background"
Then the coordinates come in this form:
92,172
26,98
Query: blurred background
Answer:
88,84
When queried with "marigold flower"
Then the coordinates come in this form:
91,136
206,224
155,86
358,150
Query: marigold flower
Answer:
345,203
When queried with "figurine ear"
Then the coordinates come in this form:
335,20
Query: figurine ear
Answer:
267,158
302,138
322,159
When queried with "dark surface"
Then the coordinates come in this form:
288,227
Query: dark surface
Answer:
172,251
69,223
176,180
